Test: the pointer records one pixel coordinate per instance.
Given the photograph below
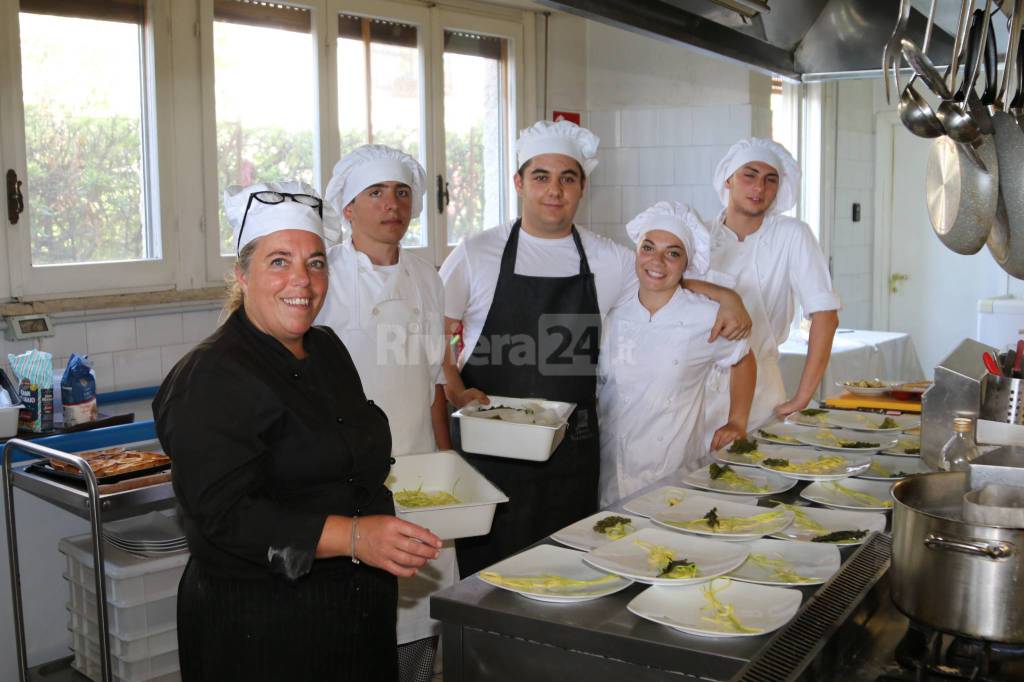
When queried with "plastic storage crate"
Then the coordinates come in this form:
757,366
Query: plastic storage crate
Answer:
162,668
130,579
153,644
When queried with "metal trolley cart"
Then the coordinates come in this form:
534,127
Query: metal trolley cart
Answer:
91,504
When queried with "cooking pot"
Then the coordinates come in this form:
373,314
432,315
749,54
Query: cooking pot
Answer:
954,576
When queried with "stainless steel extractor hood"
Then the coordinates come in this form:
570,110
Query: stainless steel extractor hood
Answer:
799,39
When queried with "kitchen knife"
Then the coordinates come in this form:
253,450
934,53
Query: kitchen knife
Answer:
990,364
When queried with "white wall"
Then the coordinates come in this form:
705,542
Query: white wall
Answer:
665,115
852,242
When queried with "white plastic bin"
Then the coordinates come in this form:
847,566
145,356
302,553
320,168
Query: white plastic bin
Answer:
162,668
498,438
131,579
125,649
130,622
443,471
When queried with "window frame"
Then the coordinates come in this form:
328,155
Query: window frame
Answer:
181,125
66,280
519,35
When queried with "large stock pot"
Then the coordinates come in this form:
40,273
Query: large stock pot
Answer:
955,576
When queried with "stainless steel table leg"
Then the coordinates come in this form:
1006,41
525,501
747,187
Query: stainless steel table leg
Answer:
96,523
12,555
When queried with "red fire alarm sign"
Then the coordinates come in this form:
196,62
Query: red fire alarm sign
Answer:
570,116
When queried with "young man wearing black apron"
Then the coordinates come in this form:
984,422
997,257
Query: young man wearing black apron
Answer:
529,297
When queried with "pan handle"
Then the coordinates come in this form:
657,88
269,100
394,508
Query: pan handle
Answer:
988,550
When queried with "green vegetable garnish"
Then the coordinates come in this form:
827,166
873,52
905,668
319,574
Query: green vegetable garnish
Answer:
683,568
775,462
888,423
712,518
742,446
840,536
725,474
774,436
912,451
615,527
812,412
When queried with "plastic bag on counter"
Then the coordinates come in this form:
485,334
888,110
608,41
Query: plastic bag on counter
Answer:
34,373
78,391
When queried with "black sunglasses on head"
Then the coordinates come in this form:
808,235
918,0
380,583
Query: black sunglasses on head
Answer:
270,197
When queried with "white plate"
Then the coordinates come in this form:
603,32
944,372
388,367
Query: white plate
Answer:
851,466
696,507
887,468
827,494
581,535
153,527
817,421
764,449
915,387
769,483
905,442
780,429
626,558
826,440
660,499
861,390
685,609
866,421
550,559
831,520
814,561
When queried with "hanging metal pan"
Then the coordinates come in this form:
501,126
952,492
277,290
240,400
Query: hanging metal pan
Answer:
1009,138
961,195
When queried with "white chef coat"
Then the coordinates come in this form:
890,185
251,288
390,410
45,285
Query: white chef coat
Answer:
391,320
470,273
653,373
773,268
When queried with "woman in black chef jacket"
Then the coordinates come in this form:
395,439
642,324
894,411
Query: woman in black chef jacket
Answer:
279,469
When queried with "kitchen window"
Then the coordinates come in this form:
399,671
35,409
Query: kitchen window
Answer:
125,120
83,137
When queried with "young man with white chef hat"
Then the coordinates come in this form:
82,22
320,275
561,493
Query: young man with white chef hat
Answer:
387,307
655,360
529,297
776,262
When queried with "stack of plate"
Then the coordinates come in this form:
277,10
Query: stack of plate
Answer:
152,535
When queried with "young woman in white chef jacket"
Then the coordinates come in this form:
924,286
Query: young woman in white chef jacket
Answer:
655,360
386,305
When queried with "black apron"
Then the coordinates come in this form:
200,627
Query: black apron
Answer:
540,340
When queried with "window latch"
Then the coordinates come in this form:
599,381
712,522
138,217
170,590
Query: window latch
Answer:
15,201
443,197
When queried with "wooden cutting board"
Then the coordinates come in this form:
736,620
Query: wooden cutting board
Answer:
849,401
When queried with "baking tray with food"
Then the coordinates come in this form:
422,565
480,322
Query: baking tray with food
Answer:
110,465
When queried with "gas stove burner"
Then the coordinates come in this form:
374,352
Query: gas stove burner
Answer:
927,655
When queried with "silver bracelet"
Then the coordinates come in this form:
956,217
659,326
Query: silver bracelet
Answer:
353,538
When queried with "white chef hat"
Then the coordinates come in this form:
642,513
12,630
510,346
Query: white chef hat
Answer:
683,222
559,137
263,219
368,165
765,151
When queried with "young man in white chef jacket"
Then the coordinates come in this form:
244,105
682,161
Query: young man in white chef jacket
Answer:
529,296
774,261
387,307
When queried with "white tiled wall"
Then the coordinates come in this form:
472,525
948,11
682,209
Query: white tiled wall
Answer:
136,349
656,154
852,242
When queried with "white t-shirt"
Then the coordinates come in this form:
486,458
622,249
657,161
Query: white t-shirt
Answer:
470,273
652,377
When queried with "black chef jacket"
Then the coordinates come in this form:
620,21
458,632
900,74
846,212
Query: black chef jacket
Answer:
264,446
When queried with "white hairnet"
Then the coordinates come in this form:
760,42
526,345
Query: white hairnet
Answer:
366,166
262,218
682,221
559,137
765,151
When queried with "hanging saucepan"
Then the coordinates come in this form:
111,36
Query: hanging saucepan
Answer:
962,183
1008,248
955,576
